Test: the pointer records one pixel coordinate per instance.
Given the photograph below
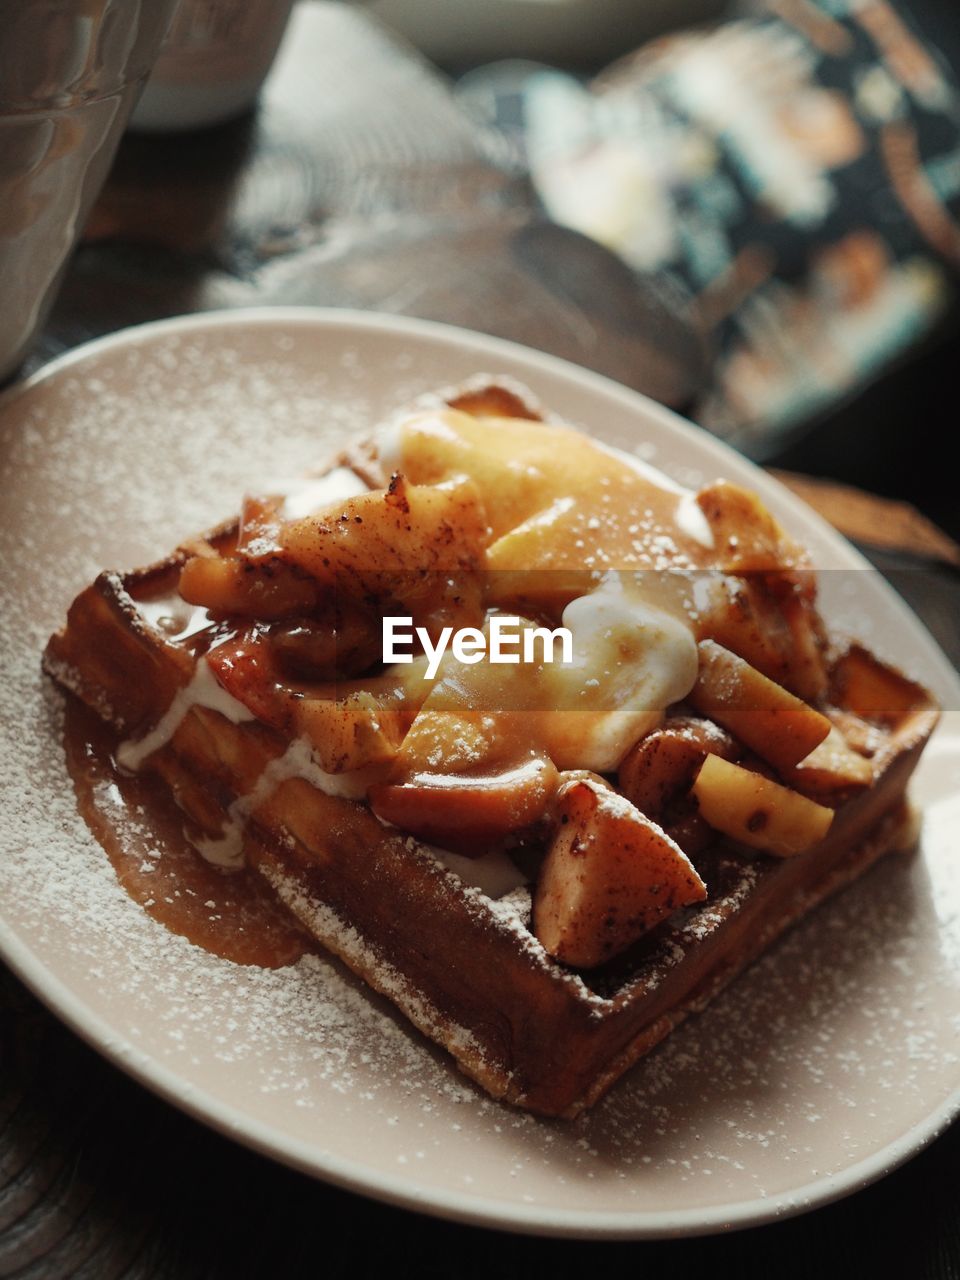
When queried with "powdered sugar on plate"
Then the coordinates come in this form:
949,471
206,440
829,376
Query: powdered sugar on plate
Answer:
834,1056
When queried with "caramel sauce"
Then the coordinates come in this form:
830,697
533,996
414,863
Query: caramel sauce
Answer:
230,914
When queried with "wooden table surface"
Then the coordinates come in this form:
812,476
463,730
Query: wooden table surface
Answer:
359,184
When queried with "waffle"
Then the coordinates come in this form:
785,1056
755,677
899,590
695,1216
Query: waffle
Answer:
546,986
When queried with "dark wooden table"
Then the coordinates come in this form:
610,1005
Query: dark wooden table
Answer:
359,184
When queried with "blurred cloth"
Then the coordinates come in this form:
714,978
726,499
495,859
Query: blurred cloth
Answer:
797,172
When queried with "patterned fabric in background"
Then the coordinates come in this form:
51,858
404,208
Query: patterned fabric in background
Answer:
798,172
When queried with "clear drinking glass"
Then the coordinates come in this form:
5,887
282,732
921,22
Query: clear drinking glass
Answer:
70,74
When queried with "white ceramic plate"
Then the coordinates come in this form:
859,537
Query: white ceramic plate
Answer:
832,1060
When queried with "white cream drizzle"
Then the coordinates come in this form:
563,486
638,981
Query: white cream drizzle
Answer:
691,520
203,690
298,761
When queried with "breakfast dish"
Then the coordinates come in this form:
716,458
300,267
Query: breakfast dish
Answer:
545,864
827,1063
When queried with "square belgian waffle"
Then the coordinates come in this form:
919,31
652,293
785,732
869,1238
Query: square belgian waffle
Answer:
543,996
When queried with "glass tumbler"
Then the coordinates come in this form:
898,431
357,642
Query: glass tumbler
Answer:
70,74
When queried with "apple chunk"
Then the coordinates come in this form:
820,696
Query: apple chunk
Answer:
351,732
746,536
664,763
266,588
758,812
468,813
833,766
768,718
415,549
610,875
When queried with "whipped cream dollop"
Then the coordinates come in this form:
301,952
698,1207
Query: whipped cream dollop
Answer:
631,659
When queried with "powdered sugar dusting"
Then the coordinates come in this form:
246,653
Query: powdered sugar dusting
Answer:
841,1040
348,943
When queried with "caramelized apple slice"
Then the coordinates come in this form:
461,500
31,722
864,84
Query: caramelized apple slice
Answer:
465,778
416,549
266,588
450,739
758,812
664,763
409,550
769,719
245,666
806,673
769,620
404,529
832,766
744,617
468,812
746,536
342,640
351,732
610,875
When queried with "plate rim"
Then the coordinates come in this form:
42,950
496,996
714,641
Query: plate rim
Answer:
401,1190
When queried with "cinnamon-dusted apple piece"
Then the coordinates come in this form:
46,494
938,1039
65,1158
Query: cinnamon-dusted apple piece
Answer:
458,781
656,774
771,621
831,767
267,588
471,812
415,549
401,528
757,811
768,718
610,874
747,538
664,763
